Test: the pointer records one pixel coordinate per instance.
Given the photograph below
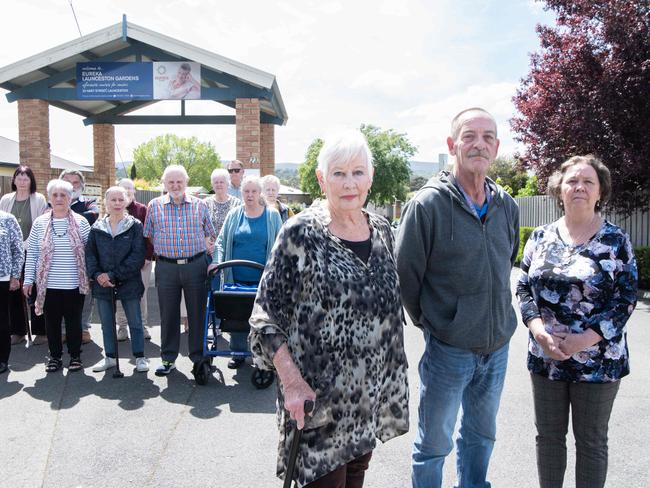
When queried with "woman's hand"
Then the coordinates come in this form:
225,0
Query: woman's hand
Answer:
27,290
104,281
14,284
211,266
296,392
549,343
295,388
573,343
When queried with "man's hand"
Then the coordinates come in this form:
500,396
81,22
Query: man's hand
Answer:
104,281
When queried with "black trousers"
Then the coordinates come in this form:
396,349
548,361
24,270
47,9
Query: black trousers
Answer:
61,304
5,335
20,321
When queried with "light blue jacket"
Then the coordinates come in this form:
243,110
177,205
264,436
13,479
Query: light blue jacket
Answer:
225,238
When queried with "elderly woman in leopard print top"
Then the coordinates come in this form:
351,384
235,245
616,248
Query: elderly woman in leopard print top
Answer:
328,320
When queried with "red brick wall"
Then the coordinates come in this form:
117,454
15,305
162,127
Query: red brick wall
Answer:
247,116
267,143
34,139
104,156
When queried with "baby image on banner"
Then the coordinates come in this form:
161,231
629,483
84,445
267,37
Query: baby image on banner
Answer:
176,81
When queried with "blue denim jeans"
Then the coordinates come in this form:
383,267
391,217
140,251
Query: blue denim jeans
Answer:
133,318
450,378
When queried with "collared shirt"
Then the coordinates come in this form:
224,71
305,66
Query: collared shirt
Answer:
235,192
178,231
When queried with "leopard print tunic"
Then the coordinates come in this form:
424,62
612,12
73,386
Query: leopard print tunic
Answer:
342,320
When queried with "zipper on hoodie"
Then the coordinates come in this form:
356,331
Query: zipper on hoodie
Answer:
487,257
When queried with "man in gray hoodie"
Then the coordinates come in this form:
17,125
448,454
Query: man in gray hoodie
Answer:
457,241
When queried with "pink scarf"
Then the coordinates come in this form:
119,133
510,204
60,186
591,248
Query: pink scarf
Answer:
45,260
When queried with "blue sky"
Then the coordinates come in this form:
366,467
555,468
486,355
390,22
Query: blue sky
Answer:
402,64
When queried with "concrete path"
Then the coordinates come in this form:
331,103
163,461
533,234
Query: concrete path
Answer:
89,430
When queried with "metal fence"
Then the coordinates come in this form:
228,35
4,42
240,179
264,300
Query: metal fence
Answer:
145,196
540,210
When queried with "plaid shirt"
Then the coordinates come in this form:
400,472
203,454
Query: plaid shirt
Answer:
178,231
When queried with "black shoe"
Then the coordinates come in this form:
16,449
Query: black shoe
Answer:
3,367
236,363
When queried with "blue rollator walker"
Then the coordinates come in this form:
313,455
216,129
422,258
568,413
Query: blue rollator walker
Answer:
229,308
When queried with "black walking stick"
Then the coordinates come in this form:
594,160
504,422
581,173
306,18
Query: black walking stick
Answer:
117,373
23,299
293,453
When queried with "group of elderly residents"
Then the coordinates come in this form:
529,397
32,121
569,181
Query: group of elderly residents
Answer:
329,311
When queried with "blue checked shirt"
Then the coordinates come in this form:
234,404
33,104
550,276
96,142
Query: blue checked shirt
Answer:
178,231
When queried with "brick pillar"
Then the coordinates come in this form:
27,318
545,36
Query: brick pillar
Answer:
267,144
247,117
34,139
104,155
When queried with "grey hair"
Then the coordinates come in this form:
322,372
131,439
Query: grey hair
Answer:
74,172
125,180
251,179
344,147
114,189
59,185
219,172
270,179
176,168
236,162
457,121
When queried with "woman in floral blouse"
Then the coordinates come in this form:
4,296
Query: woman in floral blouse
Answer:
576,292
328,319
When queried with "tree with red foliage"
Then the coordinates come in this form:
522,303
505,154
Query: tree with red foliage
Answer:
588,91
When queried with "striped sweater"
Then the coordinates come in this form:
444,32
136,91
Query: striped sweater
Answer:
63,271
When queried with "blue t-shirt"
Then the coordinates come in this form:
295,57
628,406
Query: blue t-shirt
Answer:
249,242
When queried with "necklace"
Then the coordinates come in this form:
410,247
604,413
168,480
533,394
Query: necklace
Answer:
65,232
579,238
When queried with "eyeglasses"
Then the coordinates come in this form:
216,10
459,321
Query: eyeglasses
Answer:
234,170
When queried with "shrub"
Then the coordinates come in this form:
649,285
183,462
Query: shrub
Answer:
296,207
643,264
524,234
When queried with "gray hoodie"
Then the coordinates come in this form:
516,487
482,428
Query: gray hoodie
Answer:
454,270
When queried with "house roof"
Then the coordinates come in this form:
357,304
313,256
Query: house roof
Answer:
51,74
10,156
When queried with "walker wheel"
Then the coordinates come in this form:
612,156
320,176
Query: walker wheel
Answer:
262,378
202,372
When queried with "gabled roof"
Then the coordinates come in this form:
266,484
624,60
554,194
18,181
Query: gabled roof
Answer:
50,75
10,156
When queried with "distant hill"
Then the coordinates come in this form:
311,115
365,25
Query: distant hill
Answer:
418,168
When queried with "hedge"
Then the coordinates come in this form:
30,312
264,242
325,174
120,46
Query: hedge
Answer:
643,264
524,234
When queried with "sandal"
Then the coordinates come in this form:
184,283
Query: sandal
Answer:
75,364
53,365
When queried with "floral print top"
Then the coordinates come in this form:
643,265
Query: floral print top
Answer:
219,210
575,288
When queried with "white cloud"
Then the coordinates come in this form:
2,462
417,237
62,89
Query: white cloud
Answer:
408,65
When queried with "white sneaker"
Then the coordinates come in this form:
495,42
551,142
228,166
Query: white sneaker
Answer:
107,363
141,365
147,334
122,334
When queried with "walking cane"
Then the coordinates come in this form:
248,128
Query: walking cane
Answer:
117,373
293,453
23,299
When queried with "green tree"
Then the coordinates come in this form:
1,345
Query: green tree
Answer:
508,173
307,170
198,158
417,182
530,189
390,153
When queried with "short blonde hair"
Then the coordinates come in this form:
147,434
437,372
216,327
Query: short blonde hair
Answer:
251,179
219,172
113,189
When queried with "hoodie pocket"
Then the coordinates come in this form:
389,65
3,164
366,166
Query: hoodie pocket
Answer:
470,327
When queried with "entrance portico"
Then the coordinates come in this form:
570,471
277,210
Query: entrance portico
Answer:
51,78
